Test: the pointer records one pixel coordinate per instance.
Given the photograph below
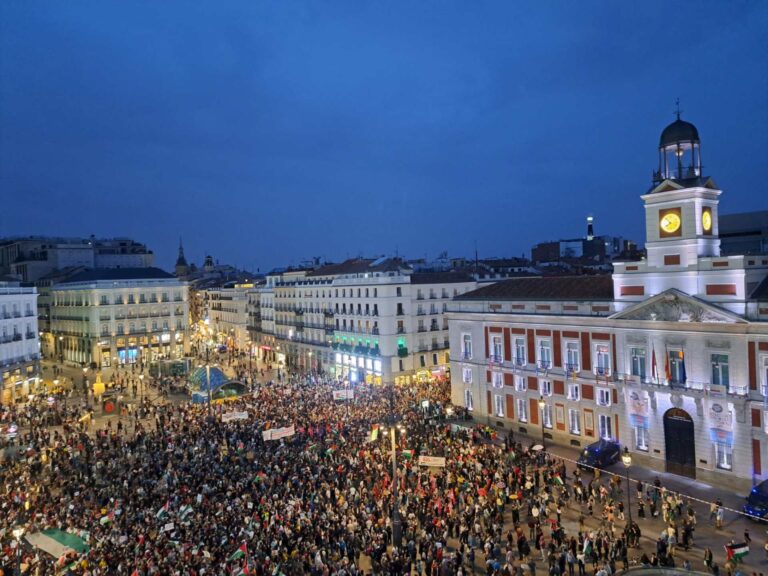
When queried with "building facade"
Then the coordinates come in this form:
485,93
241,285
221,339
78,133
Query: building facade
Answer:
19,343
33,257
228,314
365,320
121,315
669,355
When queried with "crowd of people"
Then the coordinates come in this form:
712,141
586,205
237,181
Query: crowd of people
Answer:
182,492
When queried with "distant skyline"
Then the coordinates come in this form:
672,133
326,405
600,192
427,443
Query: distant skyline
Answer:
265,134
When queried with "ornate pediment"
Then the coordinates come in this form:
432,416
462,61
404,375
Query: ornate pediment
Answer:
675,306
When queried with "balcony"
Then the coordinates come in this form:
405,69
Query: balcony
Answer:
402,352
496,359
420,312
544,364
520,361
375,331
423,348
434,328
465,355
29,313
571,368
419,296
433,296
401,330
605,371
29,335
421,329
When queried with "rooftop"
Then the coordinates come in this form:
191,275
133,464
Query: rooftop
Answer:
96,274
440,277
598,287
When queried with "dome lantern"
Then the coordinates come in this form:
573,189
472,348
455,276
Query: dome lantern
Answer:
679,151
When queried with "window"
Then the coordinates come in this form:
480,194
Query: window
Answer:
520,351
765,375
522,410
723,456
399,291
521,384
676,367
498,379
466,346
641,438
546,416
572,356
104,330
468,403
546,388
602,360
545,354
604,426
497,349
720,374
574,392
603,396
103,300
422,360
466,375
400,365
574,421
638,362
498,404
434,356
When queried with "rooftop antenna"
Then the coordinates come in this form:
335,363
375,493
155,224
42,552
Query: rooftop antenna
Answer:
477,265
677,108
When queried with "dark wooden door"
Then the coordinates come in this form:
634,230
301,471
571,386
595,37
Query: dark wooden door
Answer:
680,445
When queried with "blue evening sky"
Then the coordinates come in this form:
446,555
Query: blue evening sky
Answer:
265,133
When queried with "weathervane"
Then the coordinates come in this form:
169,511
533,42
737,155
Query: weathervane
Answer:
677,106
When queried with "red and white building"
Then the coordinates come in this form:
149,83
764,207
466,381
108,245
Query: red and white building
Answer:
669,355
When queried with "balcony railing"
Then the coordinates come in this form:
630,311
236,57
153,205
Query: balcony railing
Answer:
421,329
544,364
571,368
495,359
401,330
465,355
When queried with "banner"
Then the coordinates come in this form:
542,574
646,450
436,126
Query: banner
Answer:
229,416
720,423
277,433
433,461
638,409
347,394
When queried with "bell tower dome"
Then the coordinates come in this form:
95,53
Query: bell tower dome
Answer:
679,151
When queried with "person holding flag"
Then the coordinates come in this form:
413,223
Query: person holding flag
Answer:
736,552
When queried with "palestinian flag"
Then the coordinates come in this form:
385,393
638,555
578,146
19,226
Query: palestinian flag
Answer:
408,454
105,520
163,512
184,511
243,571
736,551
557,480
374,433
239,553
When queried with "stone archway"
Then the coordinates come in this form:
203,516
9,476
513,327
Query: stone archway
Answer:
680,443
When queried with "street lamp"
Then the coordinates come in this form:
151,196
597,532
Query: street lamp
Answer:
626,459
141,385
18,532
542,406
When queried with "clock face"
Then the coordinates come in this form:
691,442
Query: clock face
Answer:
706,220
670,222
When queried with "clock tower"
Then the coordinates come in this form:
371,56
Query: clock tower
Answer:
681,208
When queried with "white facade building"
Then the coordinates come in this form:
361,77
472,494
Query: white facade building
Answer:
362,319
669,356
121,315
228,314
19,343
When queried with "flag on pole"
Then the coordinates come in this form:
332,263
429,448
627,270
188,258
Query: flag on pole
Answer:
654,366
558,480
163,512
736,551
239,553
683,375
667,369
407,454
374,433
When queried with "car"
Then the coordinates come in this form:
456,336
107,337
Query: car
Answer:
600,454
757,502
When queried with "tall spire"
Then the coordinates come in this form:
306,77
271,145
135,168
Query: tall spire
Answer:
181,262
